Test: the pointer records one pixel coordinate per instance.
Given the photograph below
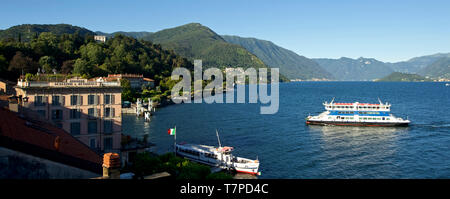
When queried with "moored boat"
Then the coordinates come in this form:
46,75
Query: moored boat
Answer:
221,157
356,114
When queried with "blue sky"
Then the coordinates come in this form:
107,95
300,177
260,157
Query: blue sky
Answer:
385,30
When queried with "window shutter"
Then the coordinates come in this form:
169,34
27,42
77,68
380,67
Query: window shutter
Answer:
80,100
45,100
112,99
62,99
95,112
113,112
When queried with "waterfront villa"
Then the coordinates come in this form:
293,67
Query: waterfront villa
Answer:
90,110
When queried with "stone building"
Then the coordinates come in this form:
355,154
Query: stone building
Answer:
88,110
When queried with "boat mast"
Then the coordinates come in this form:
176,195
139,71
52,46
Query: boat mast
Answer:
218,139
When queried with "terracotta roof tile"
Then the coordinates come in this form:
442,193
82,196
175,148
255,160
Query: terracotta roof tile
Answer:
44,135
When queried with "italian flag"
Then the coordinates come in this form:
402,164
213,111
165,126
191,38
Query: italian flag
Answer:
172,131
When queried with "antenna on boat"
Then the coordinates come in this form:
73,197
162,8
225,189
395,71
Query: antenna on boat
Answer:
218,139
332,101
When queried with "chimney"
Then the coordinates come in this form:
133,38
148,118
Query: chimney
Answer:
111,166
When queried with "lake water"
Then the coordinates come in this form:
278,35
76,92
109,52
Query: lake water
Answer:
287,148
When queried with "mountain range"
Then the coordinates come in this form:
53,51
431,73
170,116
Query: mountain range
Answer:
367,69
438,69
292,65
195,41
361,69
26,32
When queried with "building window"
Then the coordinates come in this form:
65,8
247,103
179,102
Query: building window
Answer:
56,101
107,124
108,143
92,112
38,101
107,112
92,127
107,99
75,114
74,100
75,128
91,99
57,115
92,143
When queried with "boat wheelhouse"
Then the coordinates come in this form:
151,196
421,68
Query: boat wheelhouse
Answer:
356,114
221,157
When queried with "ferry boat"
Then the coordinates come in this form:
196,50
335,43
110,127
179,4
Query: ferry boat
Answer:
217,157
356,114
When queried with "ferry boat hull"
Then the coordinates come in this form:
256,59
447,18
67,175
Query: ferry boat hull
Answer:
356,114
335,123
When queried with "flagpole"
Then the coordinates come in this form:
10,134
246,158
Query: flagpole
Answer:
175,144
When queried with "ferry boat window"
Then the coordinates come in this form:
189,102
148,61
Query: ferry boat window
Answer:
346,106
387,118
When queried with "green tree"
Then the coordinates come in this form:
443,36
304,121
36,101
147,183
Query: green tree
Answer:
45,44
3,65
22,64
93,52
82,67
127,91
48,63
67,66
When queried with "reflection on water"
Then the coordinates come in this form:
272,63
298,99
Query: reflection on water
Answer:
348,150
380,133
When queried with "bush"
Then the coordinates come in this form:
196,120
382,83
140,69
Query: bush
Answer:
194,171
219,175
180,168
146,164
